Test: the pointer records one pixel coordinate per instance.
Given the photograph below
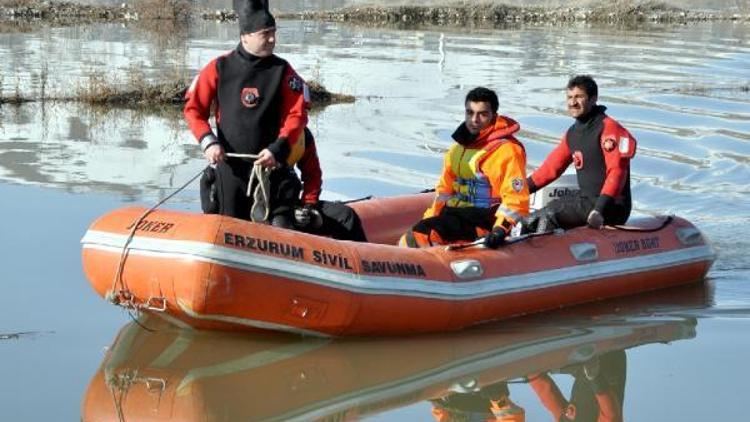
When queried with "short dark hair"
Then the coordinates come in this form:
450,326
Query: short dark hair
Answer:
483,95
586,83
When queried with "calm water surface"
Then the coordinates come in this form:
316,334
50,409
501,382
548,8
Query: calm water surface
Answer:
673,356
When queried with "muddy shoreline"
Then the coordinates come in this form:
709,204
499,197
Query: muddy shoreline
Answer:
498,15
448,14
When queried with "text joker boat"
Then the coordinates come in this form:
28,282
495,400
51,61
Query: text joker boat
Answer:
215,272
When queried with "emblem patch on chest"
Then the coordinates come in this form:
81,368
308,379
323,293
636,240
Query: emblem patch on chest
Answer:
578,160
250,97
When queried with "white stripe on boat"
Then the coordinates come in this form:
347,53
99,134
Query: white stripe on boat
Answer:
379,285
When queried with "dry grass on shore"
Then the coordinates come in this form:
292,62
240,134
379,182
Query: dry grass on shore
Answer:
136,91
101,89
176,10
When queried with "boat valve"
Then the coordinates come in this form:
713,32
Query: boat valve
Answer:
689,236
467,268
584,252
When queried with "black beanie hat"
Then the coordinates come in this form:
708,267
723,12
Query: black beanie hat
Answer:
253,15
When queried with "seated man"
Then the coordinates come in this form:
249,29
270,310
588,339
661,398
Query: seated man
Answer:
601,150
483,184
490,403
325,218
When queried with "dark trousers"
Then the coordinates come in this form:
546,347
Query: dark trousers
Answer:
451,225
224,191
572,211
339,222
606,377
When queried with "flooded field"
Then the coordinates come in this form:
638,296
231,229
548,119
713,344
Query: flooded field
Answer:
682,90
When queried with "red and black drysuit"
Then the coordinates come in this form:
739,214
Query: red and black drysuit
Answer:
601,149
339,220
596,396
258,103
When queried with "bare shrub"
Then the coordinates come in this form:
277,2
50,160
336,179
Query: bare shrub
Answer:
179,10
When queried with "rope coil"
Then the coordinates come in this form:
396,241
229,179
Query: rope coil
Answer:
262,193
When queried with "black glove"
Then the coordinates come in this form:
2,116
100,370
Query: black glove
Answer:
308,217
495,238
209,191
595,220
532,186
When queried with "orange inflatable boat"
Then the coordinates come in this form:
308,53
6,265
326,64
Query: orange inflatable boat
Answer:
215,272
172,374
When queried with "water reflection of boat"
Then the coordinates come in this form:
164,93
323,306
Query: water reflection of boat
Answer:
173,374
221,273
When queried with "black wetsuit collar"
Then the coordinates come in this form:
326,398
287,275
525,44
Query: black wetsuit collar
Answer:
595,111
246,55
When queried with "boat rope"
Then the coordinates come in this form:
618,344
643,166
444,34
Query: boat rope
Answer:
351,201
664,223
368,197
510,240
124,297
120,384
118,390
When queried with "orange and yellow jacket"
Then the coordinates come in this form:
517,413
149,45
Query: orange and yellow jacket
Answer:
485,171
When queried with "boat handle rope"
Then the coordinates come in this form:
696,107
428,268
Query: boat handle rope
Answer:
120,384
664,223
368,197
124,297
510,240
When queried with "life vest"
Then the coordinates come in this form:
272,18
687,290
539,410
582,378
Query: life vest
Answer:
485,172
471,187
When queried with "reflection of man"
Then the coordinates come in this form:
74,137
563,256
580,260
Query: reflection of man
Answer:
259,109
482,186
597,395
491,403
601,149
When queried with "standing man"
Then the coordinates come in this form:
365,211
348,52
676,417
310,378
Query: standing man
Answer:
601,150
482,188
259,107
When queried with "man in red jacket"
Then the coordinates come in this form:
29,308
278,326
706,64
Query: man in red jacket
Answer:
259,108
325,218
600,149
